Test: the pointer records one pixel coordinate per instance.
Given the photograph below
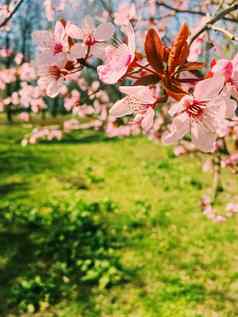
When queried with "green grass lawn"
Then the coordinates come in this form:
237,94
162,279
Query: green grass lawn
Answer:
182,264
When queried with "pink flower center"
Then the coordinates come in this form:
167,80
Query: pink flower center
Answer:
90,40
58,48
195,109
54,72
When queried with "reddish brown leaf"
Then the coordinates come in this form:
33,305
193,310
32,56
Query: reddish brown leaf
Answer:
71,42
179,50
176,95
173,89
63,22
191,66
154,50
148,80
166,54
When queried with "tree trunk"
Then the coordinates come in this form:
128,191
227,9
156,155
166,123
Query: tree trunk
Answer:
9,114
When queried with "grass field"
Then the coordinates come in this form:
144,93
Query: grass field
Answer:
182,264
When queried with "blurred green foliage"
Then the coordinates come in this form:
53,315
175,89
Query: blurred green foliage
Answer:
70,245
159,255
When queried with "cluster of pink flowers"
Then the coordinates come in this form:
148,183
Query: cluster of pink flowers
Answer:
113,130
231,161
23,95
44,133
208,209
203,114
60,56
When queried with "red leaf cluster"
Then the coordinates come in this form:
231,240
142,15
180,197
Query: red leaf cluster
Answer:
168,62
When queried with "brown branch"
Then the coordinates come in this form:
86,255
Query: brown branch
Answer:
213,20
8,18
228,34
184,11
216,181
217,162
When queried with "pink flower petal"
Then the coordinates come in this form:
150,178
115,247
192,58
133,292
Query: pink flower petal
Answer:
235,62
121,108
109,75
180,126
74,31
235,78
78,51
104,32
59,32
143,93
203,138
88,25
178,107
230,104
129,31
116,64
148,120
44,58
53,88
98,50
224,67
43,39
209,88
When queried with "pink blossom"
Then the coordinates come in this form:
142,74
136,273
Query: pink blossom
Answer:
179,150
113,130
51,76
52,6
27,72
224,67
5,52
209,212
202,114
228,68
207,166
139,101
24,116
118,59
71,125
231,161
19,58
92,37
125,14
232,208
196,48
2,106
54,43
44,133
15,98
197,45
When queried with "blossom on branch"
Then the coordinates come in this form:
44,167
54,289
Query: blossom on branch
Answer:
92,37
52,74
203,114
118,59
125,14
139,101
229,68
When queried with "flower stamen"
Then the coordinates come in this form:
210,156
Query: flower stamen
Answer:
195,109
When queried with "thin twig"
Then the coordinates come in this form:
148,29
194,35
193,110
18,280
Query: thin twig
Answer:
216,178
8,18
228,34
184,11
213,20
